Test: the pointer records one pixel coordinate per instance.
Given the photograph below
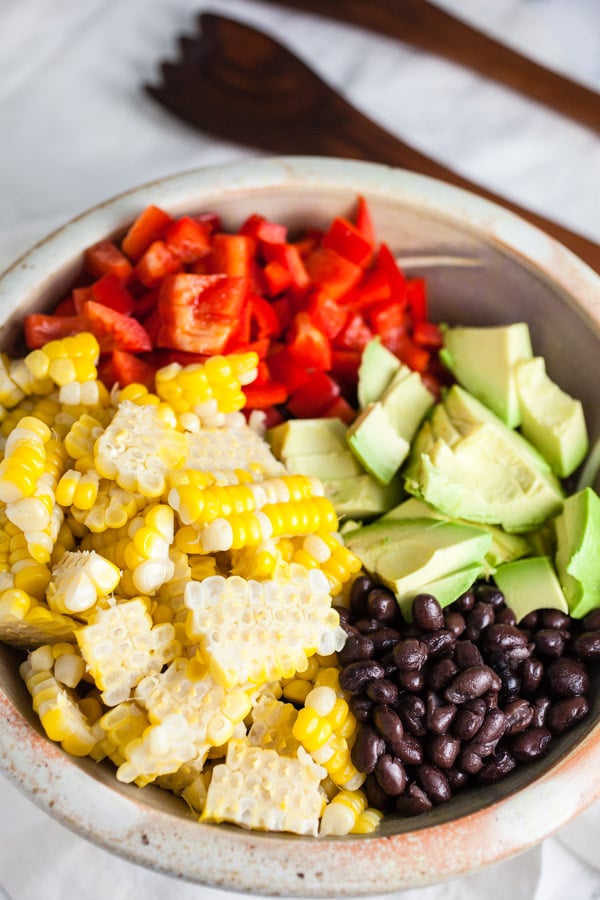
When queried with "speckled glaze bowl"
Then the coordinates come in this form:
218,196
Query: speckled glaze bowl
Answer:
483,265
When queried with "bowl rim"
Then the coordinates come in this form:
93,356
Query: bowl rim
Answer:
232,858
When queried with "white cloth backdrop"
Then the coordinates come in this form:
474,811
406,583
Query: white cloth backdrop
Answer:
75,129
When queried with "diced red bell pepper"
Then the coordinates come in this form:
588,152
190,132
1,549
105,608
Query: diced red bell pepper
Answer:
156,263
326,313
346,239
307,344
331,272
125,368
416,297
80,297
147,228
387,264
387,319
111,291
262,396
232,254
105,257
372,288
340,409
199,313
284,368
66,307
287,255
40,328
241,333
264,319
415,357
262,229
428,334
276,278
355,335
344,368
114,330
314,397
364,221
188,239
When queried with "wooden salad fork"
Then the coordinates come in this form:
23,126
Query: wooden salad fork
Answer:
241,85
429,27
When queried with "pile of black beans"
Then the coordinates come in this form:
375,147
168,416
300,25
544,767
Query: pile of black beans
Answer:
459,696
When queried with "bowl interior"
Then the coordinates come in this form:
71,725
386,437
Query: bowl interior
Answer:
482,266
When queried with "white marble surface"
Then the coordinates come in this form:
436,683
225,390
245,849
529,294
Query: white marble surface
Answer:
75,129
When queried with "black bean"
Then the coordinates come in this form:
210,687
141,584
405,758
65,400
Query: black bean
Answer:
454,622
587,645
471,683
411,710
367,625
456,779
467,654
530,622
359,591
550,642
413,682
469,761
356,675
384,638
383,691
410,654
505,616
382,605
440,672
376,796
591,622
389,725
367,748
439,715
481,616
532,672
360,707
390,774
518,714
492,728
554,618
434,783
567,678
489,593
540,706
500,764
439,643
442,750
357,647
503,637
343,612
530,744
427,613
468,720
409,750
563,714
413,802
465,602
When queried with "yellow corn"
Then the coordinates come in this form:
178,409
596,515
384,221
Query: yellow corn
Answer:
342,813
82,435
10,392
272,726
24,459
63,361
207,389
81,578
257,788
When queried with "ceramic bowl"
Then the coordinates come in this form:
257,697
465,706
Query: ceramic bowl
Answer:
483,265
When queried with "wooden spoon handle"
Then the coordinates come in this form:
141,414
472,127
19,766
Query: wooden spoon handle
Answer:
353,135
425,25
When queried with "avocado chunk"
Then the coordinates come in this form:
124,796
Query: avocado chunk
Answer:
362,497
325,466
377,367
489,475
409,554
406,401
326,435
530,584
552,420
482,359
376,443
577,559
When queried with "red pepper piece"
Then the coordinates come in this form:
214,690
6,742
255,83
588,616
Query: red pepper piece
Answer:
355,335
262,229
264,319
66,307
232,254
307,344
114,330
147,228
314,397
156,262
372,288
40,328
346,239
111,291
287,255
364,221
262,396
415,357
416,296
188,239
284,368
344,368
105,257
199,313
340,409
80,297
326,313
125,368
331,272
387,319
428,334
276,278
395,276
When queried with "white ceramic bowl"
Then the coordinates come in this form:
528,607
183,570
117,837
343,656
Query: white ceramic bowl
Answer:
483,265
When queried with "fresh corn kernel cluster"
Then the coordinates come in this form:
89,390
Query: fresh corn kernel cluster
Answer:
173,587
